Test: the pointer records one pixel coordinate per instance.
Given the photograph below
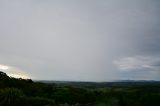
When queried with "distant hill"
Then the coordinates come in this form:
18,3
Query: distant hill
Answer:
117,83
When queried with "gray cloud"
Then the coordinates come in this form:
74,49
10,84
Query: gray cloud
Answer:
78,39
141,67
138,63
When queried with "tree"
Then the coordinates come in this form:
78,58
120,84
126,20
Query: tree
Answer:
3,76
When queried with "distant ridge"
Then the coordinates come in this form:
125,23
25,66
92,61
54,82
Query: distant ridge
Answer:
118,83
136,81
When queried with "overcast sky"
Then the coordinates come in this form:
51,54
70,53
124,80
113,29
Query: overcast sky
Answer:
81,40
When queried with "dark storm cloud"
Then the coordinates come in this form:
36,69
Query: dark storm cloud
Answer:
78,39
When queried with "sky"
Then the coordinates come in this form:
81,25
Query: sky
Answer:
80,40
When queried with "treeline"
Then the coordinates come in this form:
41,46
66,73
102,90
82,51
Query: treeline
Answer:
25,92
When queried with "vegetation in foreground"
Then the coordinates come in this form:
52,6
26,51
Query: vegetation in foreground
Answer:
25,92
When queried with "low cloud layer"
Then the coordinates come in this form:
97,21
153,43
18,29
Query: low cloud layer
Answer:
138,63
140,66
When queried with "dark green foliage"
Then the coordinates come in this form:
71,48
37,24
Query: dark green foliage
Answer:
25,92
36,101
10,97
